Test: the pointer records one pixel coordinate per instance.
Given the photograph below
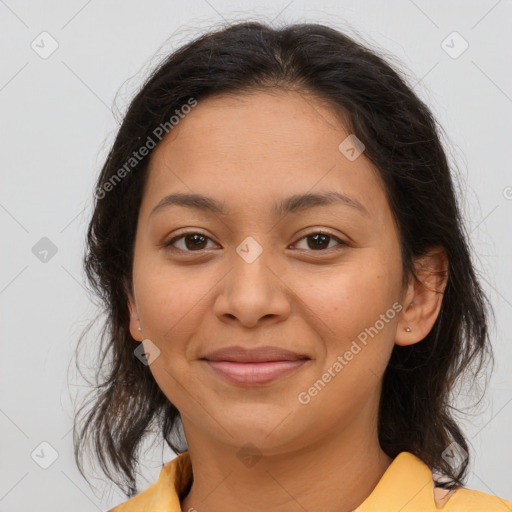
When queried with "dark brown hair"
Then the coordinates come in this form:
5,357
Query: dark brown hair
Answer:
401,138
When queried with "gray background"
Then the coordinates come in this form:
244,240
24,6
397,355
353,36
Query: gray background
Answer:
57,124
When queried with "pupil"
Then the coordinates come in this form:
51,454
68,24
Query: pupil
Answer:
317,237
196,243
319,240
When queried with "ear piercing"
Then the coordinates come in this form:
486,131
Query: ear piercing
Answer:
139,329
408,329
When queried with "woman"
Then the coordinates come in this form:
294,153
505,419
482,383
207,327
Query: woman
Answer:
287,282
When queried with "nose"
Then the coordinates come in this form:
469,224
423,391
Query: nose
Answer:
252,292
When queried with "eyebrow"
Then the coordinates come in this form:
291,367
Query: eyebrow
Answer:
292,204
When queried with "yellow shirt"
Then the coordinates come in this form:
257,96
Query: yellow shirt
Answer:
406,486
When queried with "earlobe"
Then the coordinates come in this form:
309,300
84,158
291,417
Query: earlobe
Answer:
405,334
424,297
135,328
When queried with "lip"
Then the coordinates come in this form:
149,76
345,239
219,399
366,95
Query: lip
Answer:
257,366
253,374
240,354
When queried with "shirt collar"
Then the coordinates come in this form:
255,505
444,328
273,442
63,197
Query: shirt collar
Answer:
406,485
174,478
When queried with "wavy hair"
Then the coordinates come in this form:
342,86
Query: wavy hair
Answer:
402,139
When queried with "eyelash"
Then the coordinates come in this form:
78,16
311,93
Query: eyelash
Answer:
169,243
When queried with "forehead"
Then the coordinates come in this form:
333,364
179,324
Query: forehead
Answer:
260,146
280,124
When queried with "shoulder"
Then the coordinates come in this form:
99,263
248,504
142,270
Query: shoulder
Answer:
174,478
409,485
137,503
469,500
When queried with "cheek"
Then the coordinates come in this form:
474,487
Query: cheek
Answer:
171,302
358,324
171,307
351,296
358,311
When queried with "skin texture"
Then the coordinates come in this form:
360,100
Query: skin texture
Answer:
251,151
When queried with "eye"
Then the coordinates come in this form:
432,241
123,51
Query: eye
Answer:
320,241
192,240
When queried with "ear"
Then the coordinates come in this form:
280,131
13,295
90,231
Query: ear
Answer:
423,297
134,317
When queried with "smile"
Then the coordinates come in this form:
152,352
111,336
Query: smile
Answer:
253,374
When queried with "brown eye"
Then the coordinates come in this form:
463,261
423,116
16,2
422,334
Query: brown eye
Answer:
192,241
319,241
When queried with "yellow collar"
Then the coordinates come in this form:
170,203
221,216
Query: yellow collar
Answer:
406,486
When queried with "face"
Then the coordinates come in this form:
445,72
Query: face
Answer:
320,279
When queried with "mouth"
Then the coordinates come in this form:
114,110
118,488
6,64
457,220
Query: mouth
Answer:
252,367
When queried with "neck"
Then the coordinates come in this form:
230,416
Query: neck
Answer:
334,475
